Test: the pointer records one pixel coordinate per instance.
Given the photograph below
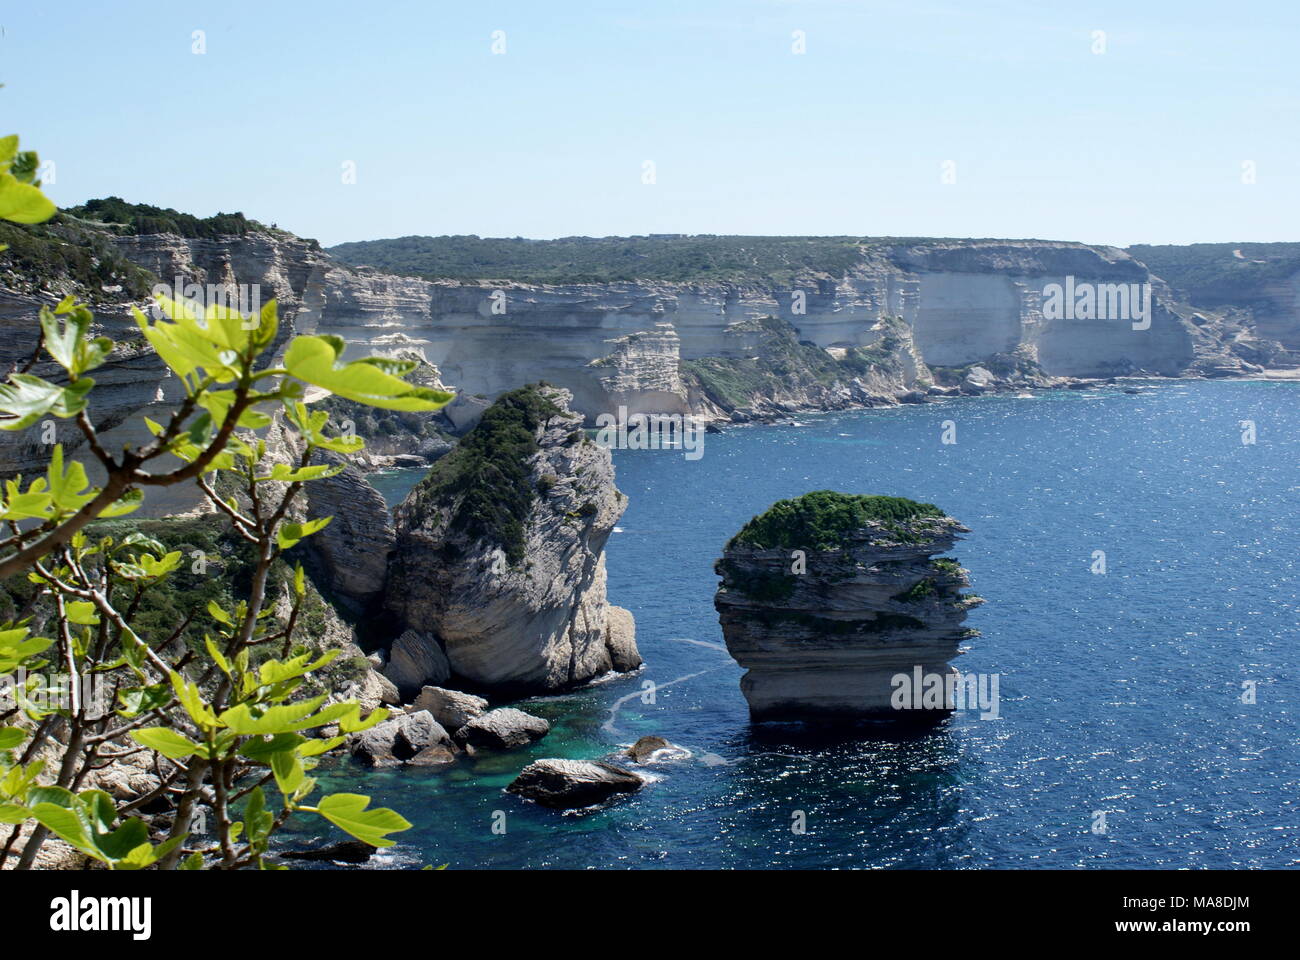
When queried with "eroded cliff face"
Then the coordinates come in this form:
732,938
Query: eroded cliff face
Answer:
624,344
642,372
280,264
769,371
1247,294
130,381
499,559
920,307
134,382
827,598
352,551
963,300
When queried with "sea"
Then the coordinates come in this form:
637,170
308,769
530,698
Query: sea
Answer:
1138,549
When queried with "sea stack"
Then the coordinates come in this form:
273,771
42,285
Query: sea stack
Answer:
497,576
827,598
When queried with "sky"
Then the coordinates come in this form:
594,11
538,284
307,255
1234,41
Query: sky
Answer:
1139,121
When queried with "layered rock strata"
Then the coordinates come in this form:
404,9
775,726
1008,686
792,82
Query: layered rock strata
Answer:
652,345
828,598
964,301
499,558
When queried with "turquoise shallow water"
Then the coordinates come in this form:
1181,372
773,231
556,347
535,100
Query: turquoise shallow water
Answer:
1119,692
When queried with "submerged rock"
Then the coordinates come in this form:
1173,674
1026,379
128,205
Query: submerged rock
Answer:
827,598
503,729
437,755
345,851
568,784
646,746
653,749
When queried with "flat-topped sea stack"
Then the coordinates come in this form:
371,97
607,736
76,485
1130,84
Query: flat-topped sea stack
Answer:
825,599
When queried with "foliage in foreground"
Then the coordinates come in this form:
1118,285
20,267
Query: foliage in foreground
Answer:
223,722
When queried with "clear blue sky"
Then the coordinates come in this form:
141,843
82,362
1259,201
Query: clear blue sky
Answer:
1144,143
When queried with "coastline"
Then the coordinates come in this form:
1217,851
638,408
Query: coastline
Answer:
860,784
372,464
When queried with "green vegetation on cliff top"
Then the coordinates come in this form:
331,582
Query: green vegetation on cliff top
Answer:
669,257
821,520
1220,274
487,479
137,219
45,255
76,246
672,257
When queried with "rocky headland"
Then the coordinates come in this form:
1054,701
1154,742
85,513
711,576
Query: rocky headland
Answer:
826,598
498,565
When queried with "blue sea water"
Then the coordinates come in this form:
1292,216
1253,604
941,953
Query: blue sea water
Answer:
1120,692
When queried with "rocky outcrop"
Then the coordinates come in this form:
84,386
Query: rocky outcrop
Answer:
571,784
770,372
451,708
348,558
499,560
351,553
645,749
827,598
502,729
620,639
416,660
641,373
402,738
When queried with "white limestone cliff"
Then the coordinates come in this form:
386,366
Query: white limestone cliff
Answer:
963,302
499,559
825,610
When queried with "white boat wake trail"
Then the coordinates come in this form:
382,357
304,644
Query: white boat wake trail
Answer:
609,726
708,758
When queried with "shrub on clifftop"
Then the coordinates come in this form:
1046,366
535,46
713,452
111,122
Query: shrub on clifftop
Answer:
822,519
488,474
